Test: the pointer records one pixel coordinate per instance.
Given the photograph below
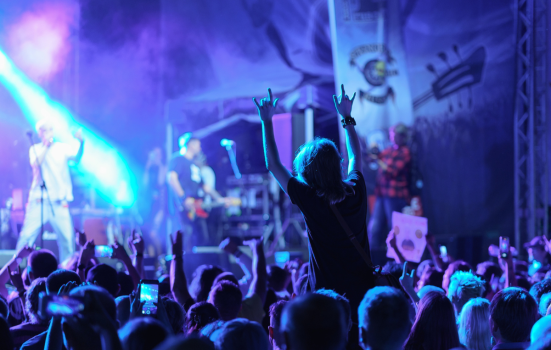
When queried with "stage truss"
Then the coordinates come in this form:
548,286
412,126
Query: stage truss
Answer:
531,179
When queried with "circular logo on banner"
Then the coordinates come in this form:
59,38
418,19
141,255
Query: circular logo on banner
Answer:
374,72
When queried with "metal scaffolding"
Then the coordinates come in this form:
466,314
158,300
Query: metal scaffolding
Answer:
531,191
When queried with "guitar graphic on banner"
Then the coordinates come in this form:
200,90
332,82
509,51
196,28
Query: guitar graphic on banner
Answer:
461,76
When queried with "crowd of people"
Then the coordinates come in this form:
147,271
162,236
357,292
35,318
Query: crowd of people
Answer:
335,301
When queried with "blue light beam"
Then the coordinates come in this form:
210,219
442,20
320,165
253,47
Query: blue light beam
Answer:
107,170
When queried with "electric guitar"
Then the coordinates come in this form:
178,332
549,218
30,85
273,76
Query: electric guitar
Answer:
200,209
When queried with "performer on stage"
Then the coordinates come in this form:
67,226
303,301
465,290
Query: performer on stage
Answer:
52,158
185,182
392,187
153,201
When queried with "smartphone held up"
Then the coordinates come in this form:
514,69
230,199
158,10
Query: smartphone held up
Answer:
60,305
504,247
149,295
103,251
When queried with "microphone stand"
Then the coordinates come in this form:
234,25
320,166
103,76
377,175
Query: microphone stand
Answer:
233,161
42,189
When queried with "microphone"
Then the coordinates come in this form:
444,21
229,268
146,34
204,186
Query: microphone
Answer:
226,143
29,133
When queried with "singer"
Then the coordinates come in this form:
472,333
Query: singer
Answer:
50,159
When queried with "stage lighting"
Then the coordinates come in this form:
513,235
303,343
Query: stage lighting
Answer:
101,164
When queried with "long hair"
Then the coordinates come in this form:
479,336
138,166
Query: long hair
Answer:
474,327
434,327
319,165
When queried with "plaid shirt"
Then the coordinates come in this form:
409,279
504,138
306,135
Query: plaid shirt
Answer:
393,182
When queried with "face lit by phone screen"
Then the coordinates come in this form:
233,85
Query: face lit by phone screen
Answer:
150,294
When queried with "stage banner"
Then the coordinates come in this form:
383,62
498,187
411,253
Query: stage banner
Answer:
369,59
461,64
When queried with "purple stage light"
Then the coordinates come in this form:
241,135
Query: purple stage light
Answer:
39,40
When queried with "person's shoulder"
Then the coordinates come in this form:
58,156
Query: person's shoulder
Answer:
175,158
252,300
297,188
36,342
252,308
294,181
175,155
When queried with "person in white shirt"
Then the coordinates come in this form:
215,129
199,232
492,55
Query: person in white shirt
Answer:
52,157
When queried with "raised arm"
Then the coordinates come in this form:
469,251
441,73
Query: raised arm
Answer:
259,284
120,253
266,109
5,272
393,244
242,259
407,283
434,253
86,255
508,266
343,104
178,282
137,245
78,136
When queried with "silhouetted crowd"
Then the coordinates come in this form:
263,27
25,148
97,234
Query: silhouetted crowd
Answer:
501,303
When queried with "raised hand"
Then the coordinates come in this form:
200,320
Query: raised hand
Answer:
267,106
16,279
343,103
78,135
228,246
547,244
119,252
80,237
24,252
253,243
67,287
177,243
391,239
136,243
407,279
87,252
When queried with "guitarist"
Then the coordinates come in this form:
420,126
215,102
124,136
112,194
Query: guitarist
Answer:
185,183
391,187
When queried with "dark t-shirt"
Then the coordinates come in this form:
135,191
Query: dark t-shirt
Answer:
188,175
334,261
